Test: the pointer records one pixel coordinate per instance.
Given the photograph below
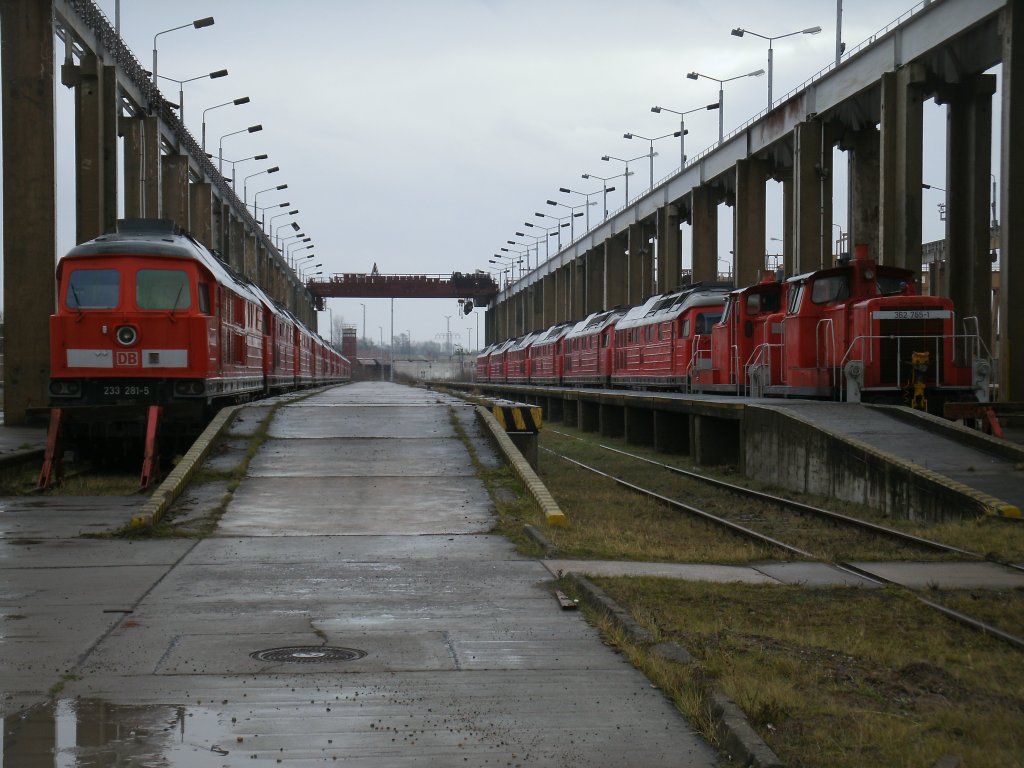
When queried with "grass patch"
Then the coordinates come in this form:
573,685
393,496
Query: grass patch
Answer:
838,677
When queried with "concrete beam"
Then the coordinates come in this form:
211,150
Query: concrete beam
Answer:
141,167
595,282
200,198
640,264
550,301
812,201
30,206
615,272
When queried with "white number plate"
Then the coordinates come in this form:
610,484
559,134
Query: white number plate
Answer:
912,314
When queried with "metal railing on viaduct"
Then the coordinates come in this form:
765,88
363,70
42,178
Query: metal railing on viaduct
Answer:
869,104
166,174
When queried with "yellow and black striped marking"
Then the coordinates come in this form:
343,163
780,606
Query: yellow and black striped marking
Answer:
517,417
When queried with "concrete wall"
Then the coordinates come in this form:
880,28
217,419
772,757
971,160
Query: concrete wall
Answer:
805,458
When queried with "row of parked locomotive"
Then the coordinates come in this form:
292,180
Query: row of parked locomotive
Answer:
148,317
857,331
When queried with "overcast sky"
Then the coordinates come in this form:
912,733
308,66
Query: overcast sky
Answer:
420,135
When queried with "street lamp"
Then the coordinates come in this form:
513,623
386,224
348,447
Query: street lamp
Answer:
651,153
293,225
739,32
721,93
236,162
198,24
220,146
587,195
181,88
682,126
604,184
572,208
268,189
549,232
236,102
245,182
540,215
626,174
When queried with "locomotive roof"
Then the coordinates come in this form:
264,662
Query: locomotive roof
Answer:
524,341
595,323
503,346
553,334
158,237
486,351
668,306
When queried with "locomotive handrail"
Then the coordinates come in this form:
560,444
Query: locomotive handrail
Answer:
830,331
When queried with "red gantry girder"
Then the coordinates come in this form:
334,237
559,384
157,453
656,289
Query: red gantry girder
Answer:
477,286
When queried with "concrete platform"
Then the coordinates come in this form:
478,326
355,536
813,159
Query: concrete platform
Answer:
361,525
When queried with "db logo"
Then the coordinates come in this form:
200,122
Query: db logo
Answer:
126,358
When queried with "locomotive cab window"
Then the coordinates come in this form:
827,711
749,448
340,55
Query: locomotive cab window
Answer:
827,290
93,289
204,298
162,289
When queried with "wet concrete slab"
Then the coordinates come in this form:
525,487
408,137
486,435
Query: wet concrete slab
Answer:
947,575
469,660
692,572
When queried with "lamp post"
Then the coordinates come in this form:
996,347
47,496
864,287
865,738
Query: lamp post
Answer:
181,88
535,244
292,224
549,232
265,208
220,146
364,321
236,162
942,205
651,152
604,184
739,32
235,102
245,182
572,208
268,189
626,174
381,329
721,93
197,24
682,125
540,215
587,195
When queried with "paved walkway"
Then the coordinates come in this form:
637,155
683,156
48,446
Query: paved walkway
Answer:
360,526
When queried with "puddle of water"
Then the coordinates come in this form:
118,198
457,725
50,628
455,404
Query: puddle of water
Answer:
88,733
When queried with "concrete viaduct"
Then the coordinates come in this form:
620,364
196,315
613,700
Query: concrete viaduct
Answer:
870,105
166,174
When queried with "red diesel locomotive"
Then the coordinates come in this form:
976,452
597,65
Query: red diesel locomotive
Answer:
151,326
857,331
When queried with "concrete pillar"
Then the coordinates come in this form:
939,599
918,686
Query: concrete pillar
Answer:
671,432
863,157
537,302
237,245
639,426
589,416
174,189
550,300
968,278
704,228
141,167
95,146
615,286
749,219
595,281
640,262
579,288
489,335
249,254
30,208
714,441
565,295
612,419
785,176
200,199
571,413
1011,235
670,249
899,241
812,201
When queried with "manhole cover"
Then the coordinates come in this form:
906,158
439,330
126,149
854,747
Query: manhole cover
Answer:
308,654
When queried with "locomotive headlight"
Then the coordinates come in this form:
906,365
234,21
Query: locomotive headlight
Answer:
65,388
126,335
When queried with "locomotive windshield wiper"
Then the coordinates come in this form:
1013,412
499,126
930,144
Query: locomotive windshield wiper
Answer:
78,301
176,300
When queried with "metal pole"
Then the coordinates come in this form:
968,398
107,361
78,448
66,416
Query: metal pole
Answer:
770,57
682,141
721,111
839,30
392,345
652,163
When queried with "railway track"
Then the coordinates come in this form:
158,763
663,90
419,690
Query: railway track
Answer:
776,536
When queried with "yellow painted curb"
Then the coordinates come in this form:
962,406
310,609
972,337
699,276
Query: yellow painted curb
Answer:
175,482
552,513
